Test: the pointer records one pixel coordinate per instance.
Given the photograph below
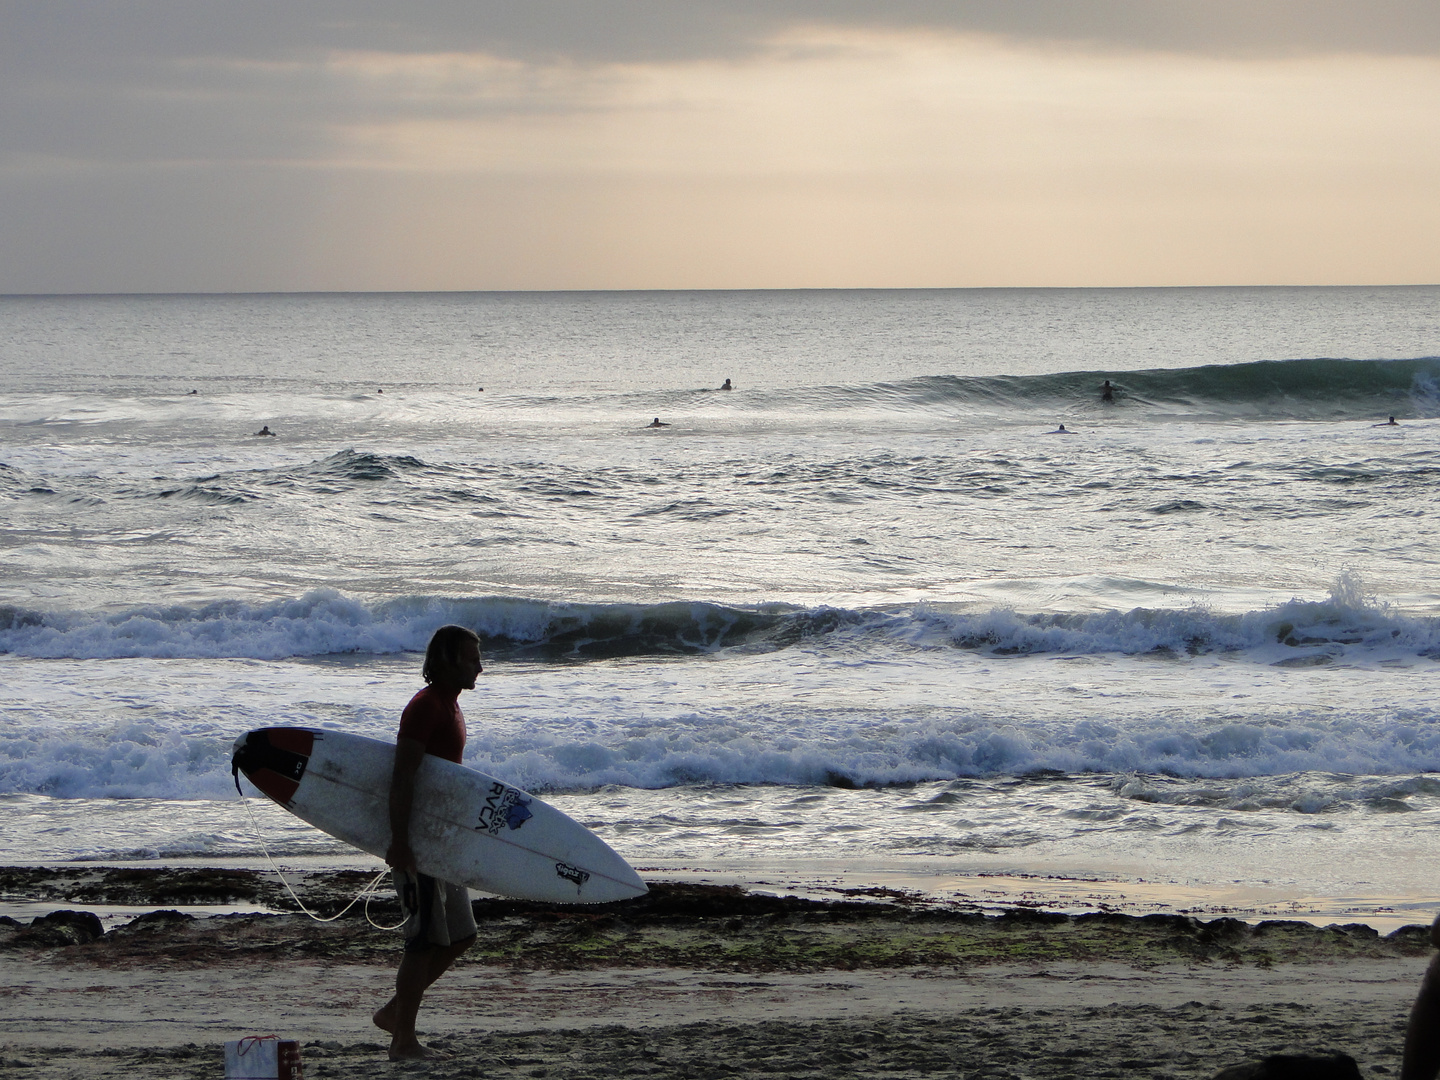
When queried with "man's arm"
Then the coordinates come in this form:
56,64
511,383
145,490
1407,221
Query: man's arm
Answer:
409,753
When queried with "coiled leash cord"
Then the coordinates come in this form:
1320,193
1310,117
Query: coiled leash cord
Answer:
367,893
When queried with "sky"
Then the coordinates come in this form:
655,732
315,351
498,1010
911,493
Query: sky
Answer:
198,146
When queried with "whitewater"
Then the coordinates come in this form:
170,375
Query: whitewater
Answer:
867,619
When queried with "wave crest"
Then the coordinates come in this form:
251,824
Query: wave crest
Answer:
325,622
1301,389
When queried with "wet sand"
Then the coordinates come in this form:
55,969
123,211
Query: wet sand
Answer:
690,981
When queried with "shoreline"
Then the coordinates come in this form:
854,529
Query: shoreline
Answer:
682,924
990,890
692,980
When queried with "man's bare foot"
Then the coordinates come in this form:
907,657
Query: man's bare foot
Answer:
416,1051
385,1017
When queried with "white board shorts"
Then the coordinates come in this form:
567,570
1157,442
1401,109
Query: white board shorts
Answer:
436,912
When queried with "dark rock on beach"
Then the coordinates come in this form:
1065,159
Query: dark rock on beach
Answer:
1295,1067
61,929
154,922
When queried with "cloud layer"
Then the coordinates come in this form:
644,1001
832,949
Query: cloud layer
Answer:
557,144
96,32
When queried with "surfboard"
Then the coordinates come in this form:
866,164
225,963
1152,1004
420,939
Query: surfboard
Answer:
465,827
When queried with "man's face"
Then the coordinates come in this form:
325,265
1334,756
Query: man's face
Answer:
467,665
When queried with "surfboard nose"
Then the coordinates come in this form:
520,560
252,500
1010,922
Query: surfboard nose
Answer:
273,759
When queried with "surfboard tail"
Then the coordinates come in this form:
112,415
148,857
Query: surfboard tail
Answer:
274,760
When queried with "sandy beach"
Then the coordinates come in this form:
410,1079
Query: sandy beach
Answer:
691,981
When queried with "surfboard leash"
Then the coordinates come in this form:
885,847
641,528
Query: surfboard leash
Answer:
368,892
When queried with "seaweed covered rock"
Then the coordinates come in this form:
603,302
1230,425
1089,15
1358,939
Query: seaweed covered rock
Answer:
62,928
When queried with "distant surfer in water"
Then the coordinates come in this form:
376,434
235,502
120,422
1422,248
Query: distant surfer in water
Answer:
726,385
439,924
265,431
1061,430
1107,392
1392,422
657,422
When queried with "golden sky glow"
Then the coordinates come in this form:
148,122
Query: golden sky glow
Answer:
825,157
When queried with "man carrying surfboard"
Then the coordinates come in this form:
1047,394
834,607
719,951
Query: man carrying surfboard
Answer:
439,923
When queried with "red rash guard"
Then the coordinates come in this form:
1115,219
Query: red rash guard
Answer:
433,717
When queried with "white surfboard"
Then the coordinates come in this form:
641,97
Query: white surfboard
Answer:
465,827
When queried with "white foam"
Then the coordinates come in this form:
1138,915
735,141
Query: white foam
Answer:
162,728
1347,626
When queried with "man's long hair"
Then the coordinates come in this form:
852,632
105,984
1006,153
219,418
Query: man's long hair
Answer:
443,652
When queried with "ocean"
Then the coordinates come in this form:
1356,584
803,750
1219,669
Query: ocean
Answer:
865,622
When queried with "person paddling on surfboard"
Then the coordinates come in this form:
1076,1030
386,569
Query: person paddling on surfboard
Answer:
439,924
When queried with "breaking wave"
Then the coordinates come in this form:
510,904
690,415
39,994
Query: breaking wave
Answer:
1304,389
166,757
325,622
